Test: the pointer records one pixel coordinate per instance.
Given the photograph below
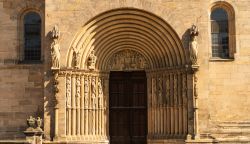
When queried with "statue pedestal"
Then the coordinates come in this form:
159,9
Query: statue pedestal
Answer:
34,137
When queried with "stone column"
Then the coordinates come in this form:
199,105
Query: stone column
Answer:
196,118
73,104
56,101
82,122
193,129
150,122
106,107
60,112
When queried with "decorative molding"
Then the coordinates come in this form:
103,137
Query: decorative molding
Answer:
168,107
87,113
93,92
160,95
86,92
100,93
78,92
127,60
68,92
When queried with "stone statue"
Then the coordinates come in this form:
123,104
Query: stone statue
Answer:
159,91
76,59
167,91
92,60
100,94
68,92
78,95
86,93
31,123
193,49
39,124
55,48
34,131
93,91
55,32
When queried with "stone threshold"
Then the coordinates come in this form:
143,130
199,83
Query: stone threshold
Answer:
14,142
202,141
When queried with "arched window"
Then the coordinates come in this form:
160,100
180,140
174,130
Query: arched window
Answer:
220,33
223,32
32,36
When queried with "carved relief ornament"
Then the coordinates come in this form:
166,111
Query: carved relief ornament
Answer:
127,60
93,92
68,92
100,94
76,59
78,87
86,93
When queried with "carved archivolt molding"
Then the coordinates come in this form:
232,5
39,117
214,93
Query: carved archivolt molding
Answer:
161,48
127,60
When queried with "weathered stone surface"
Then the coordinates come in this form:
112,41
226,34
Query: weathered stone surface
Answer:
26,89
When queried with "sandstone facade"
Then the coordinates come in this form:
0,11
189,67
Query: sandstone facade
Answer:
222,84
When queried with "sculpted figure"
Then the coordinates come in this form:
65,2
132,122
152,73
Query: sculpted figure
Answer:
76,59
39,124
100,92
93,91
55,54
92,60
86,93
78,84
193,49
55,32
167,91
159,91
55,48
68,92
127,60
31,123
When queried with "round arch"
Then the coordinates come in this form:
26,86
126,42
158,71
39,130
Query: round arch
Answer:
144,41
128,28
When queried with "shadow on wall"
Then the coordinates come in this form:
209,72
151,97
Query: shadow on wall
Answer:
49,99
185,41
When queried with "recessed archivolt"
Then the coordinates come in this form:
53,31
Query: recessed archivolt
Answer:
133,29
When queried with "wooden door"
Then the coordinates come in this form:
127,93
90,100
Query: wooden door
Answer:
128,108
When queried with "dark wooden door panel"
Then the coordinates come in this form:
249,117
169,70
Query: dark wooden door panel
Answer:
128,108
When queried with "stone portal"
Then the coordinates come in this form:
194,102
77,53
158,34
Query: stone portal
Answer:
126,40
